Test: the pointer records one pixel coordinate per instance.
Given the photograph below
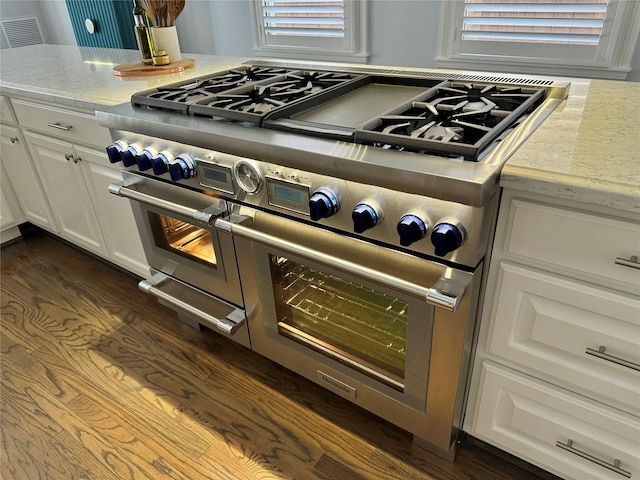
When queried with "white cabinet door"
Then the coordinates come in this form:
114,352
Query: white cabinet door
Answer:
61,174
24,180
10,211
114,215
7,218
555,327
564,433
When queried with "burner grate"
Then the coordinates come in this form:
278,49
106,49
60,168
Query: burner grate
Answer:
178,96
454,118
253,102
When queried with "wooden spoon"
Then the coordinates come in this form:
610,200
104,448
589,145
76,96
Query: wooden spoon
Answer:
149,9
178,6
160,7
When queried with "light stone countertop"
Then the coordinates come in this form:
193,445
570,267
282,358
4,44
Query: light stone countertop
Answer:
82,77
585,151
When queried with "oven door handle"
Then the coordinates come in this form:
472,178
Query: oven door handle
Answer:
229,325
207,216
446,293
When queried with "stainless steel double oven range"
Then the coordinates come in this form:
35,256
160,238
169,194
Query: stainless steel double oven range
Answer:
335,221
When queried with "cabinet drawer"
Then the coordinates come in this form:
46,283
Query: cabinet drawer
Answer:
6,115
556,327
584,245
70,126
533,420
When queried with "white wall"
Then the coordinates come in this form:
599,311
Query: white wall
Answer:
401,32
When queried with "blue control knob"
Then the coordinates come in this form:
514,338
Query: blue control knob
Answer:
446,237
160,164
322,204
411,228
114,152
130,156
182,167
364,217
144,160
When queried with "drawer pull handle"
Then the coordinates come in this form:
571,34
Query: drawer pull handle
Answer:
614,467
600,353
631,262
14,139
59,126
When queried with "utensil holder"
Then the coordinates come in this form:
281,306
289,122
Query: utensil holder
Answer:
166,38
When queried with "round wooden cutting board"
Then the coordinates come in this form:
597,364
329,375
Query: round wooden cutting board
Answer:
139,69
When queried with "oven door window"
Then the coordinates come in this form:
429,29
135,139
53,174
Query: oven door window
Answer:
182,238
351,323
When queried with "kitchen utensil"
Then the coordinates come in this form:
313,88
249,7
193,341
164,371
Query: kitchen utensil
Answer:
149,8
160,7
176,7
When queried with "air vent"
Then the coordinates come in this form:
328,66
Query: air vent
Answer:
22,31
511,79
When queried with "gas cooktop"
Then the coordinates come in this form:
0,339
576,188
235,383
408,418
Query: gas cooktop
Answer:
438,116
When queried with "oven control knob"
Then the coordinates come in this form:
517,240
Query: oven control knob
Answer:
160,163
182,167
411,228
130,156
114,152
322,204
144,159
364,217
447,237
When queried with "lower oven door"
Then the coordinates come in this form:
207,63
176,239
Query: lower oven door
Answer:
176,226
389,331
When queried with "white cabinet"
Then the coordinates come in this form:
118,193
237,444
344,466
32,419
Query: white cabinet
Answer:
10,212
23,180
563,432
556,378
63,172
114,216
67,150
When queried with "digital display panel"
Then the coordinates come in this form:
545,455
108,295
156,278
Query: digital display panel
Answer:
288,195
217,177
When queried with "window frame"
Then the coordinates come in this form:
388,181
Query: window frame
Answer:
352,48
610,60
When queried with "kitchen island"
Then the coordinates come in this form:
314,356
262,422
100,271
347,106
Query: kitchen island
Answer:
558,352
569,164
584,152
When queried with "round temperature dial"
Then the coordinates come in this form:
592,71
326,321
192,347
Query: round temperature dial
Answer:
247,176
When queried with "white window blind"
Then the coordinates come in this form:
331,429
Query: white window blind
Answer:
577,22
560,37
310,18
311,29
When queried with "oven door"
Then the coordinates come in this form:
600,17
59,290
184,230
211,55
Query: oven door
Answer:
389,331
178,236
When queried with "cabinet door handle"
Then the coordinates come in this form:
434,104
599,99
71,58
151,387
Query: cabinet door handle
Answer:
14,139
600,353
59,126
632,262
68,156
614,467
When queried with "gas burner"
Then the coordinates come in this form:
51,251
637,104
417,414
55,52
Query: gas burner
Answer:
177,97
455,118
260,100
253,102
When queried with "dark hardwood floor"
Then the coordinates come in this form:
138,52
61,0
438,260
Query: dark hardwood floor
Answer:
99,381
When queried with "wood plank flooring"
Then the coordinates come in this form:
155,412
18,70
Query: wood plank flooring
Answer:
99,381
